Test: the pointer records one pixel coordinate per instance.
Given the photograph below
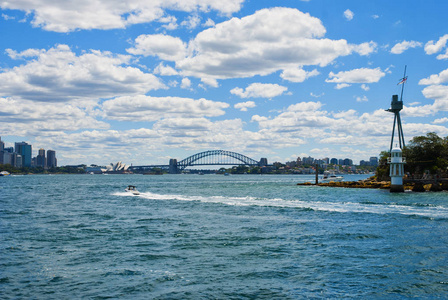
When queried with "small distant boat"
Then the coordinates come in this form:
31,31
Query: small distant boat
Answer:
329,177
226,174
132,189
4,173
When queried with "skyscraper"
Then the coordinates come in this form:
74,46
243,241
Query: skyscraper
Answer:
40,159
2,147
25,150
51,159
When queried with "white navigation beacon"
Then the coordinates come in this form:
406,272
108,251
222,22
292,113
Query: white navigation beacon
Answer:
396,161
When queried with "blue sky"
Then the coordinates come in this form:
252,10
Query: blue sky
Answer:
104,81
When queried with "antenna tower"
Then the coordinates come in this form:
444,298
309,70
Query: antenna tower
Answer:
396,107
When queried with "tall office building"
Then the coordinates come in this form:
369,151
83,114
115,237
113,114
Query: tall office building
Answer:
2,148
40,158
51,159
25,150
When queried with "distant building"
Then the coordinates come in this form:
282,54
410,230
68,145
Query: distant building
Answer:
374,161
25,150
340,161
348,162
334,161
51,159
308,160
40,159
2,148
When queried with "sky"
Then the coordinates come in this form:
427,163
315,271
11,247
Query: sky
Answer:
139,81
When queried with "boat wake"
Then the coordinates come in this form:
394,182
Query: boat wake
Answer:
436,212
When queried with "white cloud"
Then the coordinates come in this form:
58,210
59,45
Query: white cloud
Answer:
164,46
432,48
28,118
260,90
440,121
163,70
186,83
63,16
265,42
170,22
209,23
362,99
403,46
210,82
298,74
191,22
365,87
348,14
243,106
434,79
365,48
59,75
362,75
375,17
340,86
147,109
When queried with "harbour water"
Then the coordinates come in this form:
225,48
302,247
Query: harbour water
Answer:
217,237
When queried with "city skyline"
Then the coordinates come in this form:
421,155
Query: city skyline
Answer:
170,79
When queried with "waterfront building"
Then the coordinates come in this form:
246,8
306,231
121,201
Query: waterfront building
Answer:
25,150
334,161
40,158
308,160
51,159
373,161
2,147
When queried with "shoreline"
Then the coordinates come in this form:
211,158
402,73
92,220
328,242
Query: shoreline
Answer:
436,186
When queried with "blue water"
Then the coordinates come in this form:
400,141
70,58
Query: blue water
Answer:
217,237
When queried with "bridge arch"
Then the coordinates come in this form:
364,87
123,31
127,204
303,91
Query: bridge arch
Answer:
216,157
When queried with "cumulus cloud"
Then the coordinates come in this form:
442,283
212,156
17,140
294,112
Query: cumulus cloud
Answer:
348,15
340,86
28,118
243,106
191,22
442,77
432,48
260,90
186,83
298,74
365,87
362,75
440,121
109,14
403,46
59,75
265,42
145,108
163,70
365,48
164,46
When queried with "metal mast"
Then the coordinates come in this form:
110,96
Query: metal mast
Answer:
396,107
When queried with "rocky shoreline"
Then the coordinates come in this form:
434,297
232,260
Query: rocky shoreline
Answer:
436,186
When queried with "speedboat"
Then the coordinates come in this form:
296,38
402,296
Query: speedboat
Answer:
132,189
4,173
329,177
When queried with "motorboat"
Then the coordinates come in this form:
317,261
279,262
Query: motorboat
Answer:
329,177
132,189
4,173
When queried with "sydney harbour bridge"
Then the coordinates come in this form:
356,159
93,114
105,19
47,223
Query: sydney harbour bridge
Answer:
206,158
